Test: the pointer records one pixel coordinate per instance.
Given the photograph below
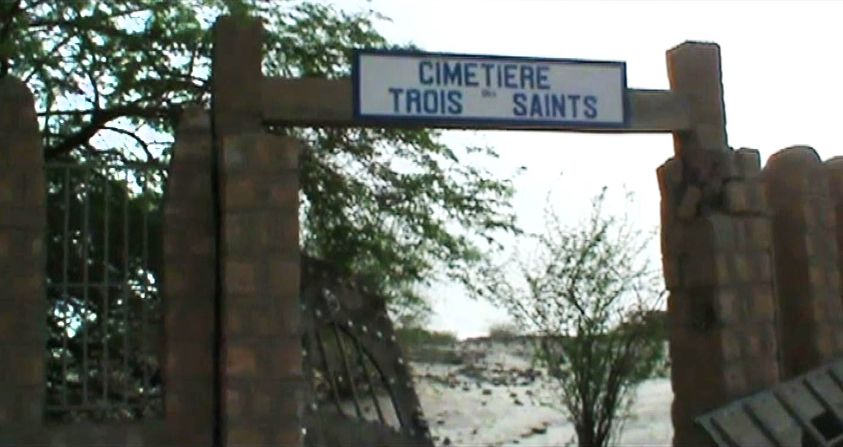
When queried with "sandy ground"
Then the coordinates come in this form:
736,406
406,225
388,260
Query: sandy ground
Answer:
493,399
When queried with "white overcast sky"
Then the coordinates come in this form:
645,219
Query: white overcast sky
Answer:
781,73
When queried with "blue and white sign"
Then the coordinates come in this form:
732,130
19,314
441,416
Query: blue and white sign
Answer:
488,90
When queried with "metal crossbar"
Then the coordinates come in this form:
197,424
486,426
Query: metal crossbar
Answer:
804,411
104,305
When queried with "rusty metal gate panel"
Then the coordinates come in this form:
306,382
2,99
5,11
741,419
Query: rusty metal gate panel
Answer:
104,316
804,411
361,390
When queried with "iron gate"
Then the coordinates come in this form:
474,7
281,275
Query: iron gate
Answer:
104,313
361,390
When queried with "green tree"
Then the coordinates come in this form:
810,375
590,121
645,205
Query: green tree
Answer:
592,302
110,78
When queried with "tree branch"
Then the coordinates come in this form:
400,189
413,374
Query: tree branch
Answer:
7,17
99,119
144,145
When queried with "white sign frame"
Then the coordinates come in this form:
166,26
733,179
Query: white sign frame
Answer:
380,80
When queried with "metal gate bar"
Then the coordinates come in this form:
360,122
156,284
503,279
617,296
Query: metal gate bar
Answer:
91,291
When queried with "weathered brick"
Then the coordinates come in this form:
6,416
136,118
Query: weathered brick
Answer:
736,197
189,404
730,344
761,232
28,367
256,153
284,277
22,406
701,271
735,378
689,203
240,277
816,276
287,357
245,435
240,360
25,285
284,193
762,266
748,162
724,264
288,437
825,342
670,267
277,154
189,358
762,304
727,306
235,402
241,194
261,406
758,201
742,268
282,234
670,176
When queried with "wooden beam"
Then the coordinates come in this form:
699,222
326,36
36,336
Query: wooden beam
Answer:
324,102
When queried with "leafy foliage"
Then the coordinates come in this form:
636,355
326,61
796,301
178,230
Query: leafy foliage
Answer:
592,303
110,78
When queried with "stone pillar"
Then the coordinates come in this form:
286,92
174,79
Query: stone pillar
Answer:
22,265
834,173
262,354
716,246
807,272
190,283
261,378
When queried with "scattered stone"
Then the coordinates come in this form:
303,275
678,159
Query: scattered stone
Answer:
518,402
539,430
440,421
446,441
487,392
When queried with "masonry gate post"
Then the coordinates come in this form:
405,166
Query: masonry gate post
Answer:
257,179
717,249
23,310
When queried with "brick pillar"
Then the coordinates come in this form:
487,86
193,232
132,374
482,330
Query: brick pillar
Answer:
834,173
22,265
262,361
260,342
716,246
190,283
807,273
717,263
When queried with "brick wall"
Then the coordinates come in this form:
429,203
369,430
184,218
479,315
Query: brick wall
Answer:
834,174
261,342
189,284
22,265
806,267
188,288
717,252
